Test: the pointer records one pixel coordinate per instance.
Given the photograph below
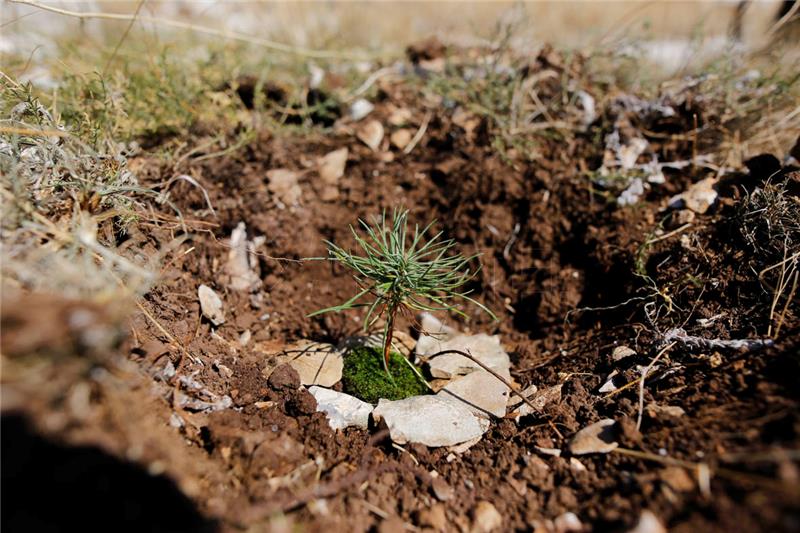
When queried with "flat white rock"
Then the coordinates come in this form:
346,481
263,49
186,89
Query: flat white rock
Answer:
485,348
479,391
317,363
211,305
341,409
433,333
360,109
429,420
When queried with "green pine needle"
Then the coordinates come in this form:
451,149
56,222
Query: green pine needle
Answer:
398,270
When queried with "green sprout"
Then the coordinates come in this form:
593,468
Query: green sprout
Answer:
402,273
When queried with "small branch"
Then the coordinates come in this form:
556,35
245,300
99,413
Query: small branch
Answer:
692,341
645,372
235,35
418,136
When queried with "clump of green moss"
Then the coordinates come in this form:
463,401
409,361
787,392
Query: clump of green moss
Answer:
364,376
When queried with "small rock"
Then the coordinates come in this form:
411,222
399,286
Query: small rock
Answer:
429,420
244,338
432,334
699,197
302,402
648,523
629,153
621,352
371,134
341,409
400,117
317,363
479,391
329,193
527,392
594,438
611,383
242,265
360,109
283,183
576,465
677,478
540,400
433,517
655,410
567,522
442,490
632,193
284,377
211,305
486,518
331,166
401,138
485,348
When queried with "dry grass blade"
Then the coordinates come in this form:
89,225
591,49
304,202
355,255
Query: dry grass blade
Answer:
234,35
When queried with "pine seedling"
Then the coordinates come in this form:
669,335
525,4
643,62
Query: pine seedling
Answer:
400,273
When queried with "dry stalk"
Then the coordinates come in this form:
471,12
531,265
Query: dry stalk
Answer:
177,24
645,372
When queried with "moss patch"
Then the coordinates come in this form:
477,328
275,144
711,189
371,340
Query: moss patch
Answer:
364,377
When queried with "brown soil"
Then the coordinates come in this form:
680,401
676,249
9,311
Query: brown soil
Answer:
550,243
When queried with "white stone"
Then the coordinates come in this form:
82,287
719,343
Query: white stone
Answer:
648,523
594,438
242,264
429,420
567,522
211,305
371,134
480,391
341,409
317,363
621,352
360,109
433,333
331,166
698,197
485,348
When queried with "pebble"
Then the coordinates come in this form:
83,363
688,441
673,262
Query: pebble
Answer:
360,109
486,518
594,438
211,305
341,409
648,523
621,352
371,134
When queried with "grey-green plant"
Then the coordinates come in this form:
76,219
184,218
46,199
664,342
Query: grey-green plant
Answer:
400,271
